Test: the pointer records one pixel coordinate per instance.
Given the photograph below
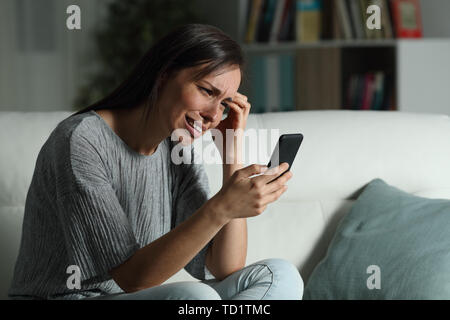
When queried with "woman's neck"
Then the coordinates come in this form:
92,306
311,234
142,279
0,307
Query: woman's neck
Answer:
129,124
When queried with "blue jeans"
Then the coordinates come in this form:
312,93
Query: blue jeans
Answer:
270,279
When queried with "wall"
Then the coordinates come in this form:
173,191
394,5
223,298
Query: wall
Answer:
42,63
424,66
424,76
435,18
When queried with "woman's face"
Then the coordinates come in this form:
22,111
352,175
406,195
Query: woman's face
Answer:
197,106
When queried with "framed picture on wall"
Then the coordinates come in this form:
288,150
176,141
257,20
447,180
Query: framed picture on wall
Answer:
407,18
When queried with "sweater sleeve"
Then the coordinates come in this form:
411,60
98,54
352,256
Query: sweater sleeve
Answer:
97,233
192,192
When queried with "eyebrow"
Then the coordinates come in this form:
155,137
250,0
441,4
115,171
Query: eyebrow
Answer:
218,92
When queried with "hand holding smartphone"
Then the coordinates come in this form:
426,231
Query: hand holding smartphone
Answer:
252,188
285,151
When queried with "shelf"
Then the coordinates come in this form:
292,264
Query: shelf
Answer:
293,46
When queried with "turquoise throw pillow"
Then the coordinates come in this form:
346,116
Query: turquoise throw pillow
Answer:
391,245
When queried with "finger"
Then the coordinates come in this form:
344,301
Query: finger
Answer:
251,170
260,209
242,103
247,108
278,183
235,107
274,196
240,95
279,169
272,173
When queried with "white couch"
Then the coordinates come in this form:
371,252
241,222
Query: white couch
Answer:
342,152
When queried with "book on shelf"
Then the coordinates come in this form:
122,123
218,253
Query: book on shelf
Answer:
384,15
318,84
314,20
287,32
266,20
277,21
363,6
252,22
378,91
312,79
308,20
369,85
273,83
357,19
369,91
386,19
270,21
335,23
326,27
344,19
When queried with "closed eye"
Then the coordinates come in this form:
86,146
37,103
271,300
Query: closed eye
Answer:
208,92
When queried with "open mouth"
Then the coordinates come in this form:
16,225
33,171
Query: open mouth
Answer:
194,127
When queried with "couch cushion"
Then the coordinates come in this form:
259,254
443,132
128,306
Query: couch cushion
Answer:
11,217
22,134
391,245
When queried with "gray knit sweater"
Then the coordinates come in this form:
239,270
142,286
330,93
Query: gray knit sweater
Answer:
93,201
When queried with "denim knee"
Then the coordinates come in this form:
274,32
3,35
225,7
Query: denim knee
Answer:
286,278
197,291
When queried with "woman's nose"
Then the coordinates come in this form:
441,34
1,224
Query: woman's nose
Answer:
211,114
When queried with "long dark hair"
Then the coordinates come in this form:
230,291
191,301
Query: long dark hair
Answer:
186,46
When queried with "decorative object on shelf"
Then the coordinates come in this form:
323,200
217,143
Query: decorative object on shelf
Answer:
407,18
129,30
